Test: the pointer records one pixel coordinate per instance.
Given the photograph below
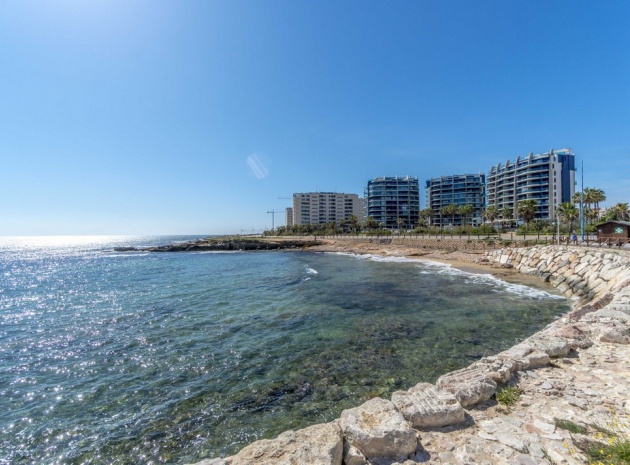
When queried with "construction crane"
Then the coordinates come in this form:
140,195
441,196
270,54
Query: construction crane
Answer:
273,218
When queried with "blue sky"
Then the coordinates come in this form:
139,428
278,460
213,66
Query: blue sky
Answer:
140,117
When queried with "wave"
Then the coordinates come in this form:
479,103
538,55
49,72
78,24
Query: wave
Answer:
487,278
446,269
311,271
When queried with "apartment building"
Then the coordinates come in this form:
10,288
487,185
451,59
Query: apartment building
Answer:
390,198
288,217
459,190
325,207
548,178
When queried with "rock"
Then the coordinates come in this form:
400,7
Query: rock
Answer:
425,406
469,385
552,346
499,369
214,462
316,445
537,359
546,428
524,460
377,429
352,455
613,332
511,441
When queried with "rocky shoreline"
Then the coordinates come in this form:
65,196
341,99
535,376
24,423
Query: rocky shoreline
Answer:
572,381
222,244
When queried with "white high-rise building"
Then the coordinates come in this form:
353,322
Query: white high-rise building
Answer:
324,207
548,178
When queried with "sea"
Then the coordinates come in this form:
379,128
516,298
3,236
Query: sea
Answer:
111,357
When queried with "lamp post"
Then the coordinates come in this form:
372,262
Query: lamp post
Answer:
582,203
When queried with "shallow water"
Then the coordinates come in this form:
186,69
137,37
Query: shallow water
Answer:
113,357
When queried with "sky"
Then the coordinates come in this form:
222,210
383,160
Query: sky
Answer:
200,117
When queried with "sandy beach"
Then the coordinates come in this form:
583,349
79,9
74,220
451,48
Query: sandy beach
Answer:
467,261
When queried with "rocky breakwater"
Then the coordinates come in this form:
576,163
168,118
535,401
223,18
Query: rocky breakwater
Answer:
598,280
575,372
226,244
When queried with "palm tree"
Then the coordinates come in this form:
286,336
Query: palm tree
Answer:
491,213
569,212
466,211
526,209
449,210
589,197
371,223
591,215
354,223
621,211
400,222
425,217
342,224
506,214
597,196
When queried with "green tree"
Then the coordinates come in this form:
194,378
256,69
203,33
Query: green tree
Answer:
491,213
400,222
526,209
425,216
597,196
569,213
449,210
342,225
619,212
506,214
371,223
354,224
466,211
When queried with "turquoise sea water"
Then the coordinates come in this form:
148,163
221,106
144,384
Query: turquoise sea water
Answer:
110,357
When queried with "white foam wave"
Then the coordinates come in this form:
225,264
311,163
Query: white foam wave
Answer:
489,279
380,258
311,271
125,255
446,269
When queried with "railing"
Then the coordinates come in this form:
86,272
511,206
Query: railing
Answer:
596,241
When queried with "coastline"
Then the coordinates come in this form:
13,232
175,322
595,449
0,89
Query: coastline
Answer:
572,379
467,262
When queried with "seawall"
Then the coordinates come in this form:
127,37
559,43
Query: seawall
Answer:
576,370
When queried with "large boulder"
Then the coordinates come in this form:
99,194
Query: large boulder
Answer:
377,429
469,385
425,406
316,445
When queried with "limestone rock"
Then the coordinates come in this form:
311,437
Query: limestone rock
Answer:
469,385
316,445
499,369
537,359
552,346
425,406
214,462
377,429
352,455
615,333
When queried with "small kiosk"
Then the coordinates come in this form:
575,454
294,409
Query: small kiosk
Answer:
613,233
